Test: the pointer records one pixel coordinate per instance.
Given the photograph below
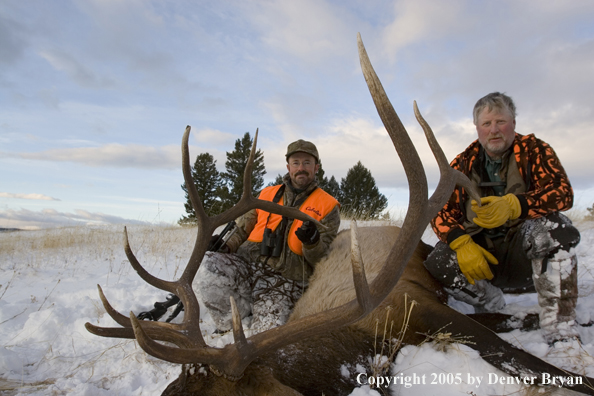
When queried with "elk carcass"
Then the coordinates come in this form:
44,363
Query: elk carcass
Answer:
334,323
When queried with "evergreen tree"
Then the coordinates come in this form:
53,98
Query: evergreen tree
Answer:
333,188
209,185
277,181
322,180
359,196
330,186
235,167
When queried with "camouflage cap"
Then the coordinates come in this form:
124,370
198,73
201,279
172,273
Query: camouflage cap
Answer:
304,147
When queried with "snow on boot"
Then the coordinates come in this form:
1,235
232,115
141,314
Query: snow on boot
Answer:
555,280
482,295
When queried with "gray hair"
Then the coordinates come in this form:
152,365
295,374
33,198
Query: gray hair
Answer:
494,100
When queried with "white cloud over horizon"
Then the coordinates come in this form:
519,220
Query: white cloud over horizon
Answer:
112,155
49,218
32,196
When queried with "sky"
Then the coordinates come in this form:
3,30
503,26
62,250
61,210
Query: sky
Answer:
95,94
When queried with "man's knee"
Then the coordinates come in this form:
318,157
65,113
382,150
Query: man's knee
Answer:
219,277
545,236
442,264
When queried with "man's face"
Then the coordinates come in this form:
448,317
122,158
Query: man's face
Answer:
302,169
496,131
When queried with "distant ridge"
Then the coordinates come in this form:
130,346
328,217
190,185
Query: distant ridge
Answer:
9,229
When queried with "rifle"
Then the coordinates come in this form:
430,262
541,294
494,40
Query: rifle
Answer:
161,307
223,237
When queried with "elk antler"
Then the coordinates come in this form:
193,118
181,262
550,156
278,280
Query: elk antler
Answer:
187,334
232,359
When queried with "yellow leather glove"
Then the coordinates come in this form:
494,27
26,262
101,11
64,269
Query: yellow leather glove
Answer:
472,259
495,211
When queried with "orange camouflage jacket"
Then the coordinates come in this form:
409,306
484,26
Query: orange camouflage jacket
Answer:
548,188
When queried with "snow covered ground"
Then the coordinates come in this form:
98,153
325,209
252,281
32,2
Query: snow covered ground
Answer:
48,291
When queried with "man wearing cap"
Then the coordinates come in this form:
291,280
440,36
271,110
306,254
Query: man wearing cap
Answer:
517,240
272,257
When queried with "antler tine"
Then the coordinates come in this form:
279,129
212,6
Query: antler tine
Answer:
413,167
187,172
144,274
146,337
238,334
359,278
151,329
247,173
438,153
457,177
115,315
157,330
205,225
417,215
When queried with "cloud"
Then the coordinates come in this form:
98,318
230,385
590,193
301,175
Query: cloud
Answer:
47,218
453,50
421,20
135,49
310,30
28,196
80,73
112,155
213,137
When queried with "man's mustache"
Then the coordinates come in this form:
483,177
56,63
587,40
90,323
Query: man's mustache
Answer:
302,173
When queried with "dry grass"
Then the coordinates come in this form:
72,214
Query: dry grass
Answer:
442,341
390,346
9,388
579,216
394,216
65,237
56,238
70,244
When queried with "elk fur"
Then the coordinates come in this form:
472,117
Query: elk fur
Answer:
313,366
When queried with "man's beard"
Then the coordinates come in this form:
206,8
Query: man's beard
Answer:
497,148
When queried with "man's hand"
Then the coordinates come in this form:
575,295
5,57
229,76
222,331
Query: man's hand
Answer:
221,248
495,211
308,233
472,259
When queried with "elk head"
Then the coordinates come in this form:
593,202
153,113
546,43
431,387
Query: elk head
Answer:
225,367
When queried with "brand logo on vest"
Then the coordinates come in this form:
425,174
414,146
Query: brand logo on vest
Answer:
313,210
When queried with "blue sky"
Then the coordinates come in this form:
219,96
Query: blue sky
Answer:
95,95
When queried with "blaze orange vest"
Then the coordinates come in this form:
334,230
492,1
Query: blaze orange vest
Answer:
317,205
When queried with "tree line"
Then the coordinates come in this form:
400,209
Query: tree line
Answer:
357,193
